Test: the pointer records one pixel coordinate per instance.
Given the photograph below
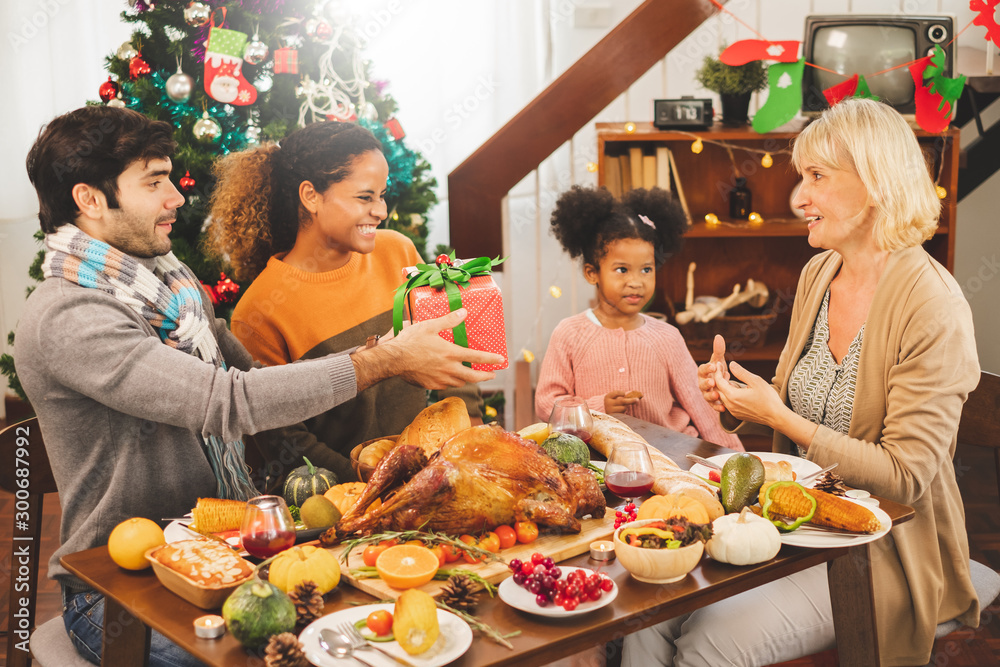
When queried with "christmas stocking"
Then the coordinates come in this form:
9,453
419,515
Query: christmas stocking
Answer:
223,62
784,97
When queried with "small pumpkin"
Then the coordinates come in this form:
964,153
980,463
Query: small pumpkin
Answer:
346,495
666,506
743,539
293,566
306,481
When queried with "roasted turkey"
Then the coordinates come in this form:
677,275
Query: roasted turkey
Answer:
480,478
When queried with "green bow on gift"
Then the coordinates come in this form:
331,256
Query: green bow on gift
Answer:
443,274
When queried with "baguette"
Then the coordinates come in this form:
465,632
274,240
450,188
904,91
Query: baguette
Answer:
213,515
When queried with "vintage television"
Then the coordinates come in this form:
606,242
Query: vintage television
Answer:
868,43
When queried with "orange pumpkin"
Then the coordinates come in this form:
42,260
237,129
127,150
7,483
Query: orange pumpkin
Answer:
345,496
664,507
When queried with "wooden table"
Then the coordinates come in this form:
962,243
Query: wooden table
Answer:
136,602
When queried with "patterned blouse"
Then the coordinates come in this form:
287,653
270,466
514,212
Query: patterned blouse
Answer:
819,389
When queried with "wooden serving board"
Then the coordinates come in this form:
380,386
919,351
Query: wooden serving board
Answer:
557,547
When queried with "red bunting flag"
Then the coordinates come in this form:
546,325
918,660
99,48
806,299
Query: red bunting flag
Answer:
835,94
931,114
749,50
987,18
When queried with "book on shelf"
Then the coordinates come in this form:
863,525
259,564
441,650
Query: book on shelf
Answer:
677,189
663,168
625,167
635,166
613,177
649,171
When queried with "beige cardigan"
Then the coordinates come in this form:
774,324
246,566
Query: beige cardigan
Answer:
918,364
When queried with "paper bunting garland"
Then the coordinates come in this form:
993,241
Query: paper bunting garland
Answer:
749,50
932,111
949,89
784,97
987,18
856,86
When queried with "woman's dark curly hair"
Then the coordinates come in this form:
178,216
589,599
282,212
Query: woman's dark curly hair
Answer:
586,220
255,205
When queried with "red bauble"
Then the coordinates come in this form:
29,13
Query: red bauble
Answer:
138,67
108,90
186,181
395,129
226,290
323,32
443,259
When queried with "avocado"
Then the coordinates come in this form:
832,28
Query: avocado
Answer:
742,476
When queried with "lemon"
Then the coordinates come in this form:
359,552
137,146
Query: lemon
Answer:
537,432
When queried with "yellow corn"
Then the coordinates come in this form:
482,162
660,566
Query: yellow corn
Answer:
213,515
831,510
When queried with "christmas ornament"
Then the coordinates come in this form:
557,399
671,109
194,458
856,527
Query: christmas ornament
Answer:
286,61
323,32
252,134
138,67
256,51
179,86
949,89
263,82
197,14
293,41
697,146
749,50
285,650
308,602
108,90
443,259
207,130
116,103
459,593
227,290
395,129
932,111
986,18
766,161
784,98
126,51
186,181
941,192
224,81
368,112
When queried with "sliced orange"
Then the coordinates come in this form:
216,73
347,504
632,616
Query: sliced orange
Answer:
537,432
407,565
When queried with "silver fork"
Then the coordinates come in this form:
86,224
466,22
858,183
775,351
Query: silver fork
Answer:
358,640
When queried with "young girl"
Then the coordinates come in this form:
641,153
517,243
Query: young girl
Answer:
300,220
614,356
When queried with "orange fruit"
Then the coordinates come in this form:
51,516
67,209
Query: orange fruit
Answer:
406,566
131,539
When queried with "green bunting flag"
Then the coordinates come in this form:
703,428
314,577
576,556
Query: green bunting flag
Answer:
948,89
863,91
784,98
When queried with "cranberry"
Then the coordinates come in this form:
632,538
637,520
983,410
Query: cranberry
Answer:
515,565
607,584
542,600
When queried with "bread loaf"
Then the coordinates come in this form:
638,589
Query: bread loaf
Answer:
667,476
435,424
213,515
374,452
207,563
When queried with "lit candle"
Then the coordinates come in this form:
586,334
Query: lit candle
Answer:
602,550
209,627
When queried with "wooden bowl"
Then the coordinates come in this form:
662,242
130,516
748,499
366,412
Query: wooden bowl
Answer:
657,566
200,595
364,471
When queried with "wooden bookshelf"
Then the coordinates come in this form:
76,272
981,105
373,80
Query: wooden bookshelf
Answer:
734,251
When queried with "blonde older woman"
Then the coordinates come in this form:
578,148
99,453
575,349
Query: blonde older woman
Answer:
879,359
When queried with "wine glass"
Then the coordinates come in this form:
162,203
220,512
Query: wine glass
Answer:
267,526
629,471
571,415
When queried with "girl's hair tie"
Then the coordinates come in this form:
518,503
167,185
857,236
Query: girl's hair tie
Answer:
647,221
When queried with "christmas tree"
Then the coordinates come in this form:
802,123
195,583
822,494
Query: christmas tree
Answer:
230,74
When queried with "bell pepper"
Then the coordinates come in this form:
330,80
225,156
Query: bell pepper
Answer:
779,523
649,530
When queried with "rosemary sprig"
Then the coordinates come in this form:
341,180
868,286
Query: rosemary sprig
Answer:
370,572
427,537
476,624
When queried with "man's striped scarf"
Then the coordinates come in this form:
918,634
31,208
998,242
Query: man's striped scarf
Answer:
169,298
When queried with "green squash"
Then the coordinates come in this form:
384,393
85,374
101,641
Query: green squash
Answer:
307,481
256,611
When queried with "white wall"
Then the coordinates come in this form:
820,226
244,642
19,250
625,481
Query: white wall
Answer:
459,70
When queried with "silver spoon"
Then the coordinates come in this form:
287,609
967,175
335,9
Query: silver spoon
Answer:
339,646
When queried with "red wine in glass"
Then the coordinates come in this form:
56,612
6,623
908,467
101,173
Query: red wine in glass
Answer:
580,433
267,543
571,415
267,526
628,483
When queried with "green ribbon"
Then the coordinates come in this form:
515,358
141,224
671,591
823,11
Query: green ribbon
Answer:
452,279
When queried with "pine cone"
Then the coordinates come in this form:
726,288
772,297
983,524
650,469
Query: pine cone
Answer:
831,483
284,650
458,593
308,602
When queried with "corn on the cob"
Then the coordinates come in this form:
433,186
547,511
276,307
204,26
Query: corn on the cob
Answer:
214,515
831,510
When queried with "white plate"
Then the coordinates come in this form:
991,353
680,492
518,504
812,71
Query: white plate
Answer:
800,466
818,539
523,599
177,531
455,639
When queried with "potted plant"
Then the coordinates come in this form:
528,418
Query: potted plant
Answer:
734,86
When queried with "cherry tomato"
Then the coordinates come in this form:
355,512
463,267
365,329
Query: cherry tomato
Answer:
371,554
526,531
466,556
438,550
416,543
380,622
714,476
451,553
490,541
507,535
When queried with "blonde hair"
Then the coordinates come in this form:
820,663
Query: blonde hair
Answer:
872,140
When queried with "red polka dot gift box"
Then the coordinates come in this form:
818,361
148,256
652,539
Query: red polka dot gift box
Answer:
434,290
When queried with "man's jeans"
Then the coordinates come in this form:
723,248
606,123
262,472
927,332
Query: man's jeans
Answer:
83,614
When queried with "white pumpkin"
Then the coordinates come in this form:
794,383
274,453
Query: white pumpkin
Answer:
743,539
